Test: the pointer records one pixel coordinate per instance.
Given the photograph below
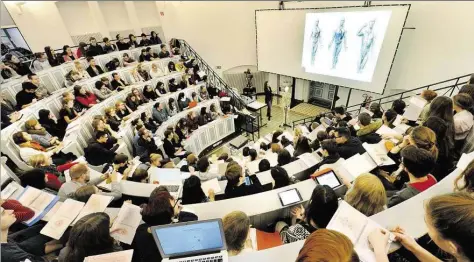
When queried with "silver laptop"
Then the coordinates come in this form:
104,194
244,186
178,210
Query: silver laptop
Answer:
170,178
202,241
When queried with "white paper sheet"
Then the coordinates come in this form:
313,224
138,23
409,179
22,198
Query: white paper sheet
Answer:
465,160
287,135
308,159
166,175
211,184
414,108
63,217
122,256
265,177
11,188
126,224
358,164
96,203
378,153
290,149
36,200
272,158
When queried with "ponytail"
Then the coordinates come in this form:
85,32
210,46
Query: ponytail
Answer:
425,138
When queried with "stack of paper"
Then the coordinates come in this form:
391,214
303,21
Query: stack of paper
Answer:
211,184
378,153
357,227
309,159
385,130
414,108
61,220
359,164
126,224
122,256
265,177
96,203
39,201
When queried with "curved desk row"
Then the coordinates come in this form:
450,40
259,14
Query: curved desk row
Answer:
53,78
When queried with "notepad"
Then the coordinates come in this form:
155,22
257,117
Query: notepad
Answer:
414,108
265,177
211,184
357,227
63,217
39,201
122,256
96,203
308,159
378,153
126,224
358,164
272,158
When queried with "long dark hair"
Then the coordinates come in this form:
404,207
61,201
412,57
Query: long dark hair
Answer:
89,236
322,206
280,176
171,64
158,211
192,191
442,107
439,127
77,91
43,117
171,103
34,178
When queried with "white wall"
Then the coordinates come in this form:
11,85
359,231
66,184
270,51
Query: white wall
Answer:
85,24
147,13
115,15
41,24
6,19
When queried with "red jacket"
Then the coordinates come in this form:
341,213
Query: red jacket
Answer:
89,99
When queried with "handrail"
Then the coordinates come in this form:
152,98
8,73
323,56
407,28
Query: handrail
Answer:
236,101
449,88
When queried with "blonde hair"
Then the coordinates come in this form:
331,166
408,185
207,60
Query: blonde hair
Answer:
298,134
367,194
78,170
275,147
37,160
236,229
109,110
155,157
30,124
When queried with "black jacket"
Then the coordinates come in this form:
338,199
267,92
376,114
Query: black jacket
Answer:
95,50
116,84
110,48
92,72
122,46
244,190
350,148
268,94
150,147
97,154
169,148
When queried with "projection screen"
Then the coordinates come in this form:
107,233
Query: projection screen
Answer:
351,46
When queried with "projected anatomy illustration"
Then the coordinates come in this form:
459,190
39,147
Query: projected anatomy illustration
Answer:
315,36
353,40
367,35
338,38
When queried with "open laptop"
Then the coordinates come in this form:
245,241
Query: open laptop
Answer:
169,178
191,241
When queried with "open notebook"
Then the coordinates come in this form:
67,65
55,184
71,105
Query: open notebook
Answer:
37,200
357,227
126,224
62,218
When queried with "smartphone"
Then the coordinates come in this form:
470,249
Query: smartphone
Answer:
247,181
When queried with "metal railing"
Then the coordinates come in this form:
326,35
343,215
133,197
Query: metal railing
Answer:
448,86
213,78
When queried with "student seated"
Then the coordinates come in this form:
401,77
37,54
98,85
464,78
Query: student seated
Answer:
41,90
20,212
448,219
135,77
302,146
54,174
366,194
93,69
117,83
27,95
367,132
172,108
127,60
94,48
191,162
155,164
376,109
318,213
39,179
139,175
121,44
389,117
183,102
108,46
347,145
399,106
263,165
174,87
29,148
84,97
204,117
7,72
284,157
203,166
148,122
192,121
328,245
160,210
144,56
193,193
25,245
79,174
163,53
120,165
340,113
68,114
160,89
329,152
194,100
238,184
99,125
101,91
147,142
171,67
427,95
149,93
113,64
49,123
132,102
418,163
281,178
159,113
88,237
463,119
145,41
97,153
236,230
14,63
154,38
40,135
181,129
203,94
8,112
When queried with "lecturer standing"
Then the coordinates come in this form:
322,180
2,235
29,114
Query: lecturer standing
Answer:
268,99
